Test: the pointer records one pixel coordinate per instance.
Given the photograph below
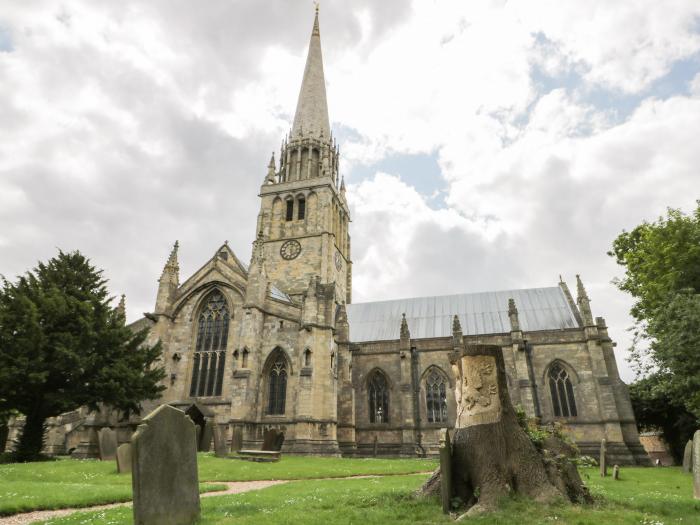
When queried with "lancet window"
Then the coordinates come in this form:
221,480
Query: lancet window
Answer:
562,392
277,384
210,347
378,392
436,397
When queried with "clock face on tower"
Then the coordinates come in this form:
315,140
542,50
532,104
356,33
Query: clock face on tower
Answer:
290,250
338,261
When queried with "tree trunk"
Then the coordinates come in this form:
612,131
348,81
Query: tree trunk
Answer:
492,456
31,439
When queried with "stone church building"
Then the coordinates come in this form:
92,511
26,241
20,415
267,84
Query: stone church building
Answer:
279,344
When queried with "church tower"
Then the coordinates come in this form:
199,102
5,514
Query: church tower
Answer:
304,215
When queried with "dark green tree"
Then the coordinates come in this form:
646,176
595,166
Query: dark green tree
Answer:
655,408
63,346
662,273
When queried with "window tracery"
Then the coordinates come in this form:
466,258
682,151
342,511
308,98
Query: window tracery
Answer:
562,392
210,347
378,392
436,397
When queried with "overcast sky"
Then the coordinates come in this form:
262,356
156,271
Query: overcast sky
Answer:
486,145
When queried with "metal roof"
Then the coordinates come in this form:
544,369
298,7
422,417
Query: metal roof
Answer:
479,313
276,293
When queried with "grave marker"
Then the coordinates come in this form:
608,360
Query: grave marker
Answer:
207,435
124,458
445,470
220,449
696,464
688,457
603,464
236,439
164,464
616,472
107,444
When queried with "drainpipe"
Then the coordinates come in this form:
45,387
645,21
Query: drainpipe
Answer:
415,379
531,376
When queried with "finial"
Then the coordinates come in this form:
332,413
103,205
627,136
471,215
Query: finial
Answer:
226,242
456,326
580,289
172,258
342,184
560,279
404,327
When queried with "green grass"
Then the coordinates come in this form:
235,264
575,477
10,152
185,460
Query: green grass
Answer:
306,467
65,483
74,483
642,497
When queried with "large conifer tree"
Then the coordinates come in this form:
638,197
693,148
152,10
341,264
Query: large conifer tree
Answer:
63,346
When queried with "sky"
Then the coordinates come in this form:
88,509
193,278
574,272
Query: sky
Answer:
485,145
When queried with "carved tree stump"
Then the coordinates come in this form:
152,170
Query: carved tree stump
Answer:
492,456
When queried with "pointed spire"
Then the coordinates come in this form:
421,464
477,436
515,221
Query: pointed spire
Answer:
168,282
513,316
456,325
342,185
172,263
121,308
405,334
311,115
584,303
271,168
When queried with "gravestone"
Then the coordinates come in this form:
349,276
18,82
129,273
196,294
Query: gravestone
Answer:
269,439
198,436
206,437
688,457
236,439
603,463
696,464
164,464
445,470
124,458
616,472
220,449
107,444
376,446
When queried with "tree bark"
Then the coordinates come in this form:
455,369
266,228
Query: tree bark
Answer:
492,456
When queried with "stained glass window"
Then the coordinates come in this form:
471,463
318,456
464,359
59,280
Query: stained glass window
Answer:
378,398
562,391
436,397
277,389
209,357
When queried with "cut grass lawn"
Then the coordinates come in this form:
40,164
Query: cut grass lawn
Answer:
642,497
73,483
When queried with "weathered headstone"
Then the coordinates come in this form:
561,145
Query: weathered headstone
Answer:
602,462
220,448
198,436
124,458
616,472
164,464
269,439
696,464
206,437
445,470
688,457
107,444
376,446
236,439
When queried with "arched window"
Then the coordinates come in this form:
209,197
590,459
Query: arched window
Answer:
244,359
307,357
301,208
378,392
290,210
277,387
562,392
210,347
436,397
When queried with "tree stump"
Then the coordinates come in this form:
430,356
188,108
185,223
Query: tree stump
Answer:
492,456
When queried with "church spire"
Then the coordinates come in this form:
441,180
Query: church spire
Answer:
311,117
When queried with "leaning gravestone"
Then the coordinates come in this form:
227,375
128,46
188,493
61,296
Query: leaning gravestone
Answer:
164,464
616,472
124,458
107,444
220,449
603,463
696,464
236,439
688,457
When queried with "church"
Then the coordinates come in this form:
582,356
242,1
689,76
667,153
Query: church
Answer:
278,345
